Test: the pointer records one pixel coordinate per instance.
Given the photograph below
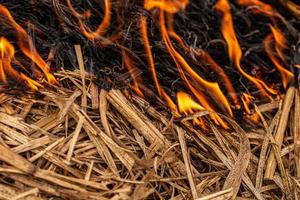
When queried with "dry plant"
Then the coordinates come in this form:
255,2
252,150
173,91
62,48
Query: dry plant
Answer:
78,141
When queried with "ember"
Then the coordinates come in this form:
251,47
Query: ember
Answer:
205,65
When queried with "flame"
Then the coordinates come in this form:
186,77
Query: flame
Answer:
7,53
26,45
160,90
186,104
212,87
130,64
170,6
234,50
84,15
247,99
102,26
280,43
204,56
260,7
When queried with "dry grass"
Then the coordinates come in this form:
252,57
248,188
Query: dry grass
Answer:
78,141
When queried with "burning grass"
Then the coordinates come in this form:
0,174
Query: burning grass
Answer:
78,141
181,110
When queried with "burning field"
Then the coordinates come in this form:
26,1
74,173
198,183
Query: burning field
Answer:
153,99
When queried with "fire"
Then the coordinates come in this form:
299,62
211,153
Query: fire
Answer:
7,53
160,90
181,63
26,45
202,55
280,44
259,7
247,99
101,29
84,15
183,67
130,64
234,49
170,6
186,104
280,41
223,76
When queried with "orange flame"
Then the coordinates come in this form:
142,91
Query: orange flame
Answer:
84,15
181,64
247,99
130,64
212,88
170,6
259,7
7,52
160,90
103,25
205,56
234,50
280,43
26,45
223,76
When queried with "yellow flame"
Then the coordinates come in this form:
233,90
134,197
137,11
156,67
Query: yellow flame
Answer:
234,50
204,56
186,104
